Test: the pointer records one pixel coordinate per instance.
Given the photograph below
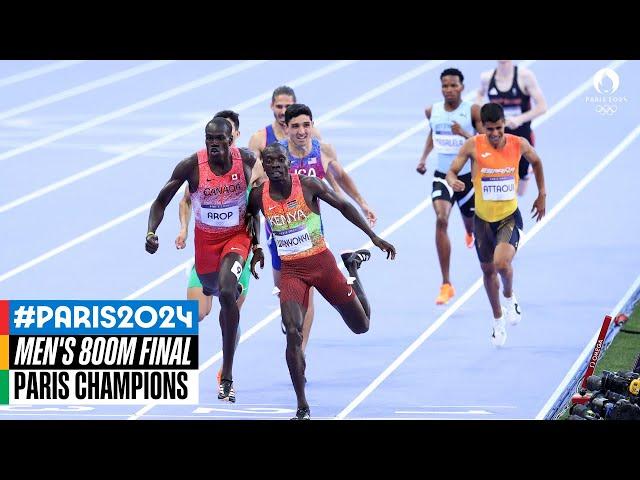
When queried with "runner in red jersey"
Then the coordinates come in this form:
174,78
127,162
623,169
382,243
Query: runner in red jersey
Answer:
218,177
289,202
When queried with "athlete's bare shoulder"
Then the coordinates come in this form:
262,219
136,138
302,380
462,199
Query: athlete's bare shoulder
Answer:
427,112
258,140
328,149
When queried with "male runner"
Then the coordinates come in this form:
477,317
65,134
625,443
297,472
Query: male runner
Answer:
452,121
218,178
309,156
194,287
513,87
494,167
290,203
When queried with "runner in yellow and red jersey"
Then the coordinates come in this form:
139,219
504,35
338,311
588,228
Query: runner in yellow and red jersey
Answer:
290,204
494,168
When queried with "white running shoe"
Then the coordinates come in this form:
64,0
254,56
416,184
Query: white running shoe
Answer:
499,335
512,308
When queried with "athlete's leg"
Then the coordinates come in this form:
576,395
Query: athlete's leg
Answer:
485,248
230,270
443,244
194,292
308,321
502,258
492,287
348,298
292,315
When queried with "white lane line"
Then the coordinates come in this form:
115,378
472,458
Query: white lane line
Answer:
36,72
318,73
476,286
121,112
85,87
122,218
584,354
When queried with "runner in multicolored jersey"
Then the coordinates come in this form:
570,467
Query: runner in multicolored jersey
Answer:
194,287
309,156
452,121
497,224
218,178
514,87
281,99
290,204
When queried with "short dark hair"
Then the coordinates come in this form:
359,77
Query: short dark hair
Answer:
491,112
283,90
230,115
452,71
296,109
218,121
273,146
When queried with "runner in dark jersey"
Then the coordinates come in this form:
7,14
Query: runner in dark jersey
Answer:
290,203
218,177
514,88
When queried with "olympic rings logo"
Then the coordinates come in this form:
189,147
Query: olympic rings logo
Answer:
606,109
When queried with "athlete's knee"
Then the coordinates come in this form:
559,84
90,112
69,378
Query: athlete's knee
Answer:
228,295
488,269
502,265
442,221
359,329
294,334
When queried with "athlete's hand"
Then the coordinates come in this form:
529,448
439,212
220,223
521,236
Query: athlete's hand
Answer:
421,168
539,207
151,245
258,256
458,130
384,246
369,214
181,239
514,122
455,183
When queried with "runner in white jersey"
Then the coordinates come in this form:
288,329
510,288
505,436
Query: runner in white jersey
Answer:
452,121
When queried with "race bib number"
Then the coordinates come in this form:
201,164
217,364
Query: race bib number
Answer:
444,141
290,242
498,188
220,216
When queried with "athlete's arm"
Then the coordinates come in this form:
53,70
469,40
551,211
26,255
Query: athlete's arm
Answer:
180,174
321,191
476,119
465,152
184,213
539,206
257,142
485,78
333,182
345,181
254,206
428,146
532,88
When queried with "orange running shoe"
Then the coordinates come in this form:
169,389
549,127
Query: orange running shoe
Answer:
219,376
468,240
446,293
